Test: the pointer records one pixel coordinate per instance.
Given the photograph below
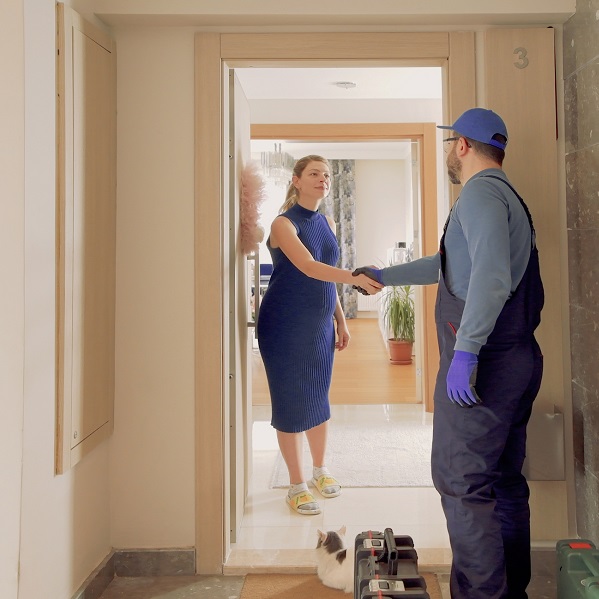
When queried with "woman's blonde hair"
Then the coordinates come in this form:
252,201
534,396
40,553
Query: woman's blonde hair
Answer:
292,196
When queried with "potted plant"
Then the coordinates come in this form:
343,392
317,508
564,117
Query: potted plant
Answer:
399,318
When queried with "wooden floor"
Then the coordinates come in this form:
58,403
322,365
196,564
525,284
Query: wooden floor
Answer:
362,373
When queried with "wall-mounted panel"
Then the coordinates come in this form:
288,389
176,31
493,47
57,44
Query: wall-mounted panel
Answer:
86,236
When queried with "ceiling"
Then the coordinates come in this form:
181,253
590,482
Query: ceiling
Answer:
319,15
407,83
314,83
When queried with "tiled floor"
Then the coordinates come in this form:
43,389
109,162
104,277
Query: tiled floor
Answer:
175,587
229,587
272,538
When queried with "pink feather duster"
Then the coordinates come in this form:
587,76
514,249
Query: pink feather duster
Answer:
251,197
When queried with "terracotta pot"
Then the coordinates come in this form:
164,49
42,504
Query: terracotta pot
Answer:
400,352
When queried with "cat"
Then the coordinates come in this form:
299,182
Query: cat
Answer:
335,561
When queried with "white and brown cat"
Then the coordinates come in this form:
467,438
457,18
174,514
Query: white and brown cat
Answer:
335,561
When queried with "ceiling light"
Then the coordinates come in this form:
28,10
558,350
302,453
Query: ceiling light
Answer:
346,84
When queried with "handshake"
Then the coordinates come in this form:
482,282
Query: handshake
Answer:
373,273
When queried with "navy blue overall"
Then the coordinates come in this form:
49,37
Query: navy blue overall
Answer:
478,452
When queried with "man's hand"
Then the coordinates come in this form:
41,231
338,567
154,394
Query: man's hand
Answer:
461,379
371,272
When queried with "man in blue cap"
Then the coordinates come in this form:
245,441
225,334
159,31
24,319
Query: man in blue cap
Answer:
489,302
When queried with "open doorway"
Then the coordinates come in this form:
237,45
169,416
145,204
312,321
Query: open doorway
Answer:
266,519
379,209
217,54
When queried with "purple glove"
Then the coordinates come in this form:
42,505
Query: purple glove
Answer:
461,379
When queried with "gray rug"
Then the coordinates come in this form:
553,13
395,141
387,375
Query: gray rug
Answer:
362,455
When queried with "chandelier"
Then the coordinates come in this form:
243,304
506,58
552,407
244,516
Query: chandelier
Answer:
278,166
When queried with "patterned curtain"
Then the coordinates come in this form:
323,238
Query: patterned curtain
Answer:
341,205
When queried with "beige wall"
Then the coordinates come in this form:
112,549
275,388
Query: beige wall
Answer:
12,267
64,520
152,449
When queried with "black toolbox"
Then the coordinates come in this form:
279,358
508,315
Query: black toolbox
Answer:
386,566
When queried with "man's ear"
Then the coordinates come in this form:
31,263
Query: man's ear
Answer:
462,146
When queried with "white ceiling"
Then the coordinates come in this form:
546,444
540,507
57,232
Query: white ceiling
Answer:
408,83
381,83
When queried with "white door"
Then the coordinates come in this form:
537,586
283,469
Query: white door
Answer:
239,341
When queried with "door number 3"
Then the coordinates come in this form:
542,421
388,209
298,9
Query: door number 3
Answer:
522,58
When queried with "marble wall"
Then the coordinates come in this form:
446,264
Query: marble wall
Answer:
581,84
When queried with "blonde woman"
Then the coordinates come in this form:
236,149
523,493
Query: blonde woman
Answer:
296,334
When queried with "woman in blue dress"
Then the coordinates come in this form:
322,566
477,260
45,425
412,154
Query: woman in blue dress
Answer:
296,332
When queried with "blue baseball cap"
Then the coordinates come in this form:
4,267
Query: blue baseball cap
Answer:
480,124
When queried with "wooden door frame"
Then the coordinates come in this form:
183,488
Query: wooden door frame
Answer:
214,53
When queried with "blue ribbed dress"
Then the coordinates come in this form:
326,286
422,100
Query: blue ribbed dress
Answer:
295,329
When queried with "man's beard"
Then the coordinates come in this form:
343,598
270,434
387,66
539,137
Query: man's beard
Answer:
454,168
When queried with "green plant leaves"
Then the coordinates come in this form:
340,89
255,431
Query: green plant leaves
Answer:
399,313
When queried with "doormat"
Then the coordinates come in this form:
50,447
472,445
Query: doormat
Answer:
307,586
392,454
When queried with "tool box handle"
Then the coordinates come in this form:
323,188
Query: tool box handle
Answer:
390,553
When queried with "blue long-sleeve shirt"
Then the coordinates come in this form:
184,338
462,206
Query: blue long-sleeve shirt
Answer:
487,248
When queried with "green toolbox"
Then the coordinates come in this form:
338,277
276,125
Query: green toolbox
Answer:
578,569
